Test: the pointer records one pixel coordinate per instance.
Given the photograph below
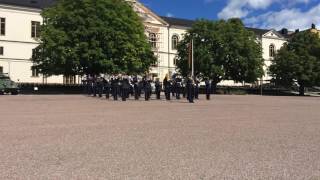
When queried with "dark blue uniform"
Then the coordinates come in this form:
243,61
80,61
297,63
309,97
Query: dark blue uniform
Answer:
167,88
196,89
147,89
190,90
208,89
158,88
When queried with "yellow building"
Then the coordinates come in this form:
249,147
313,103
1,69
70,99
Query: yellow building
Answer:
315,30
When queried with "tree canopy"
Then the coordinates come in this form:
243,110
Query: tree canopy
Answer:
92,37
223,50
298,61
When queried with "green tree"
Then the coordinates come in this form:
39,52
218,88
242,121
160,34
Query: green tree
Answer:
298,61
223,50
92,37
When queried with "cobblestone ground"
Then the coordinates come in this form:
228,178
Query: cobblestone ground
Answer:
229,137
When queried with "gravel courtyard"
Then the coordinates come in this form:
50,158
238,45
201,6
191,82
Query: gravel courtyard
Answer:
229,137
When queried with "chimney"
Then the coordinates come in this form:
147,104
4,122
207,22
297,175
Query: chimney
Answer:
313,26
297,31
284,31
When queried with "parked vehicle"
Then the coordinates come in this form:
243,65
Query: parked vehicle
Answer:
8,86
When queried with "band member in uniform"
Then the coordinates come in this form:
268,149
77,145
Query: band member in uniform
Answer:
196,89
146,88
94,86
99,86
208,89
178,86
167,87
125,88
190,90
107,87
158,88
115,88
136,88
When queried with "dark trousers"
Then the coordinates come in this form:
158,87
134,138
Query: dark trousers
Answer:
191,94
147,95
208,92
100,91
158,92
167,93
178,93
136,93
115,94
196,92
95,91
124,94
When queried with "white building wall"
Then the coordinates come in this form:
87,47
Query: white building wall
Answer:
18,44
266,42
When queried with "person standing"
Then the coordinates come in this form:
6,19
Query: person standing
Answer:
208,89
107,87
115,88
100,86
196,89
95,87
147,89
167,87
158,88
190,90
125,88
178,87
136,88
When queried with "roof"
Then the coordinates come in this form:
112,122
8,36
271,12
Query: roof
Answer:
178,21
258,32
40,4
189,23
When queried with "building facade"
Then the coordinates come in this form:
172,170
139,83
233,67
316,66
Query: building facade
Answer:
19,35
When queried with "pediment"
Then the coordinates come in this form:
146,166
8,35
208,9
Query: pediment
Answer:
147,15
273,34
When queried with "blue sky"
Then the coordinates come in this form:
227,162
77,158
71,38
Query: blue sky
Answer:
292,14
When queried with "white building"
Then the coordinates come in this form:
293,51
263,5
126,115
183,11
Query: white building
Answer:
20,21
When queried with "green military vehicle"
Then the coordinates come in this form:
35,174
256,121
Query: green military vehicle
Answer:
7,86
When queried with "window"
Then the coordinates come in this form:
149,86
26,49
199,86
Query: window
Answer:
35,29
153,40
175,41
2,26
1,70
1,50
271,50
35,71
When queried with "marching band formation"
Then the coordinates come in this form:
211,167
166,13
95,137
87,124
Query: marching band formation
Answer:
125,87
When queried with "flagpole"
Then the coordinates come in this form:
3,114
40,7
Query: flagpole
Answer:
192,70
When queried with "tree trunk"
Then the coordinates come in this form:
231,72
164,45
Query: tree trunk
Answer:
301,90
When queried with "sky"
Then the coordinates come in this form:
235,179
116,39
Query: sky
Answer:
267,14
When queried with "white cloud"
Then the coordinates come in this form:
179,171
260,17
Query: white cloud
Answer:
243,8
289,18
